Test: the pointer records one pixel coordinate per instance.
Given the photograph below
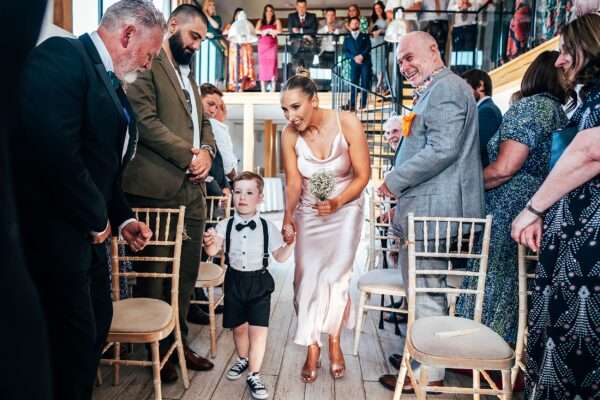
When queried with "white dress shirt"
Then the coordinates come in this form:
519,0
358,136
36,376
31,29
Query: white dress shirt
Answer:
463,19
246,247
328,42
434,13
224,144
108,65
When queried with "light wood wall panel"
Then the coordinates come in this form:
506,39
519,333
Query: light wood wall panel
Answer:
63,14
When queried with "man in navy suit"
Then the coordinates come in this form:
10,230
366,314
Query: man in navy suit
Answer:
78,135
357,47
489,114
302,23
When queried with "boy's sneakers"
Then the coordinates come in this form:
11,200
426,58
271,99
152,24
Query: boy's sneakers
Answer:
237,369
257,388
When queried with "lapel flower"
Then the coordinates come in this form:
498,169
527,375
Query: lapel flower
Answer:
407,121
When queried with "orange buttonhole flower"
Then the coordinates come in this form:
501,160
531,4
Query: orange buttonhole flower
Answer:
407,121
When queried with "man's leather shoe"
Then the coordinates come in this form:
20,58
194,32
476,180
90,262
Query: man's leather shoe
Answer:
168,373
395,360
194,361
389,382
197,316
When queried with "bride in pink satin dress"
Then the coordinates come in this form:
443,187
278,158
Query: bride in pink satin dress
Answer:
327,232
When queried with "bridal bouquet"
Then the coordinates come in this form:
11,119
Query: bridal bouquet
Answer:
321,184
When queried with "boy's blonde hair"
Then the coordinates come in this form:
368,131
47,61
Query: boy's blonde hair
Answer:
250,176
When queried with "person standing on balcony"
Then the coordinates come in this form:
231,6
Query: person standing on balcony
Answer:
174,155
464,31
215,36
433,19
377,31
354,11
518,30
302,24
437,171
328,43
489,114
268,27
357,48
240,58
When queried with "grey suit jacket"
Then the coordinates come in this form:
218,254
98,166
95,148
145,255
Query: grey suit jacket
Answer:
438,167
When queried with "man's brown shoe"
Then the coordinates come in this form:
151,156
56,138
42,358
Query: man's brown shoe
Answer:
194,361
389,382
168,373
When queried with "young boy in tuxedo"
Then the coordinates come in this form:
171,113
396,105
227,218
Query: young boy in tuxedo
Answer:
247,239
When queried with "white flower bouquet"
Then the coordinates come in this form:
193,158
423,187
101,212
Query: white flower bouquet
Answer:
321,184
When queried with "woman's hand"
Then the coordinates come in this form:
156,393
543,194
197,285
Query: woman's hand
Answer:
327,207
288,231
527,230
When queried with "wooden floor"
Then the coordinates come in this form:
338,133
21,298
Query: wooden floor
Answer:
283,359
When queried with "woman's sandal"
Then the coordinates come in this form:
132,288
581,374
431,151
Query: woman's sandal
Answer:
336,359
313,361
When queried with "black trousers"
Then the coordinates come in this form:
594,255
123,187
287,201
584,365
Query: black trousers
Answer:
360,74
72,278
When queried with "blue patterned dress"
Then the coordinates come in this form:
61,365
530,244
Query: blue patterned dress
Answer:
563,346
531,122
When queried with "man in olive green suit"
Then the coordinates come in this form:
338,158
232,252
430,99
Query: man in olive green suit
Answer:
174,155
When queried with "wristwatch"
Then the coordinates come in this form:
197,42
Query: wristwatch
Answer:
208,148
533,210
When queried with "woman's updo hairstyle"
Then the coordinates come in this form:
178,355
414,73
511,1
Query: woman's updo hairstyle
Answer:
301,81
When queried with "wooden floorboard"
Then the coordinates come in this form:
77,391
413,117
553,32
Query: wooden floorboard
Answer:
283,359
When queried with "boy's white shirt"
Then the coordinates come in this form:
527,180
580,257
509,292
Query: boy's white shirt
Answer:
246,252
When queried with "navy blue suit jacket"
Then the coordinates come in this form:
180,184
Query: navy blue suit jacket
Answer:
490,119
362,45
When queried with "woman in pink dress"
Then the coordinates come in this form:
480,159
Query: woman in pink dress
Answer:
267,27
327,232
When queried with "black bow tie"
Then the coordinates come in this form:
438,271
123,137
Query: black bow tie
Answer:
251,225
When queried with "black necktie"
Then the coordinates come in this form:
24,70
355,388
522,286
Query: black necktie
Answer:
251,225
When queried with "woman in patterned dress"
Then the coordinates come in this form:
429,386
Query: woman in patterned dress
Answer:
563,345
519,156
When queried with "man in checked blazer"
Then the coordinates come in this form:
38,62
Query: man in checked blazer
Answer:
174,156
437,171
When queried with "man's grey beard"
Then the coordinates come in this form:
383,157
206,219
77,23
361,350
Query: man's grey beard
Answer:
130,77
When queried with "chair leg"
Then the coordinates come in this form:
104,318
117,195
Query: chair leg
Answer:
181,355
506,385
213,322
117,366
476,384
156,371
359,321
98,377
401,376
421,390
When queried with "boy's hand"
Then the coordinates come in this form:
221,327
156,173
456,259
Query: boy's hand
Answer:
209,237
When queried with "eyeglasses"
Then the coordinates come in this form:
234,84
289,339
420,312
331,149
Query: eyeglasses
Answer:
188,100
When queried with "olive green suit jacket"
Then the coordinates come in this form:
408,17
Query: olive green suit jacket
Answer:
165,130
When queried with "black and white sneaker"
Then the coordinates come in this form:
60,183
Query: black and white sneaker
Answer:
237,369
258,389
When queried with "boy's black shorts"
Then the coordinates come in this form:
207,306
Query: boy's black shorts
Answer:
247,298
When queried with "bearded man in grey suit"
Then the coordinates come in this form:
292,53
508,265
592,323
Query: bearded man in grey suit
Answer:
437,171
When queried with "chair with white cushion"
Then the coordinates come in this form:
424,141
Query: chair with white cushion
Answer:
147,320
212,275
448,341
376,280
